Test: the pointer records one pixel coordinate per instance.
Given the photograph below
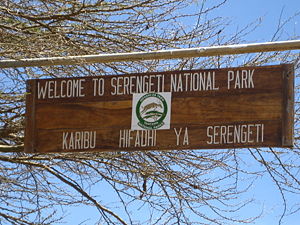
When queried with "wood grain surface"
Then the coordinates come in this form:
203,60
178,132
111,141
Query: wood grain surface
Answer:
234,108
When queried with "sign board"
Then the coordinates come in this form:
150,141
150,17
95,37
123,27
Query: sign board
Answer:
196,109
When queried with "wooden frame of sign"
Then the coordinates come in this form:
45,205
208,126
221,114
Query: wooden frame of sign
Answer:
196,109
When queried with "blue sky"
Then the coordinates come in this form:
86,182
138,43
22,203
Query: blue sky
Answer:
241,13
272,13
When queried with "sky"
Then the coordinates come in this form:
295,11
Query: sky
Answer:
272,13
241,13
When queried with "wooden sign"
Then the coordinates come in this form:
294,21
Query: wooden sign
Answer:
197,109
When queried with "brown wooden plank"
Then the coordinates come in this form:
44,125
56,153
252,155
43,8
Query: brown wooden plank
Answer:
266,105
109,139
30,119
191,110
264,75
288,106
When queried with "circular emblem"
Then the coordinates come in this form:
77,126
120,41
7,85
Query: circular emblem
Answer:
151,110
